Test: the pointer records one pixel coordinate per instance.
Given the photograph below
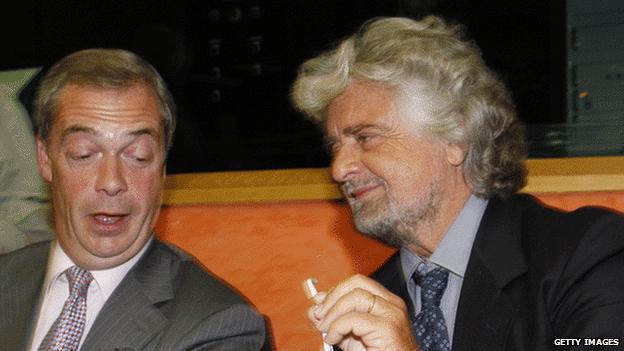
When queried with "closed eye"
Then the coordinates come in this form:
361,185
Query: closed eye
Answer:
138,157
142,159
80,156
362,138
367,140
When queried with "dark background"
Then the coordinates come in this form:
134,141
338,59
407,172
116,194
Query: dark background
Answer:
230,63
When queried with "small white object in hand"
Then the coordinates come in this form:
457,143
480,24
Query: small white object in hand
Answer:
309,287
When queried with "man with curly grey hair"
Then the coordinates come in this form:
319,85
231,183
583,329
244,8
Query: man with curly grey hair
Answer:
429,154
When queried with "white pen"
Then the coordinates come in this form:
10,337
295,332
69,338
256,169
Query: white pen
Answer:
309,287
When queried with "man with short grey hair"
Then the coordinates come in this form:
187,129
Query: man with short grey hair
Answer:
105,122
429,154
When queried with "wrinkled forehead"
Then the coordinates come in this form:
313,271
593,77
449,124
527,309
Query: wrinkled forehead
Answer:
96,95
107,112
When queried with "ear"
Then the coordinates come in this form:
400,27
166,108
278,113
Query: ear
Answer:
455,155
43,160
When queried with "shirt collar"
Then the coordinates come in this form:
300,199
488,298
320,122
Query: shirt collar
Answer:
453,251
58,262
106,279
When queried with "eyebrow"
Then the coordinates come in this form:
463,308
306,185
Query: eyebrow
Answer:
82,129
329,141
149,131
352,130
76,129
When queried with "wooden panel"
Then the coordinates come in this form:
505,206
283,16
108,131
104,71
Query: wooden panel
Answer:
545,175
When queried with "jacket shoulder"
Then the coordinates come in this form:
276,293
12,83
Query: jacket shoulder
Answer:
197,285
23,261
210,310
544,225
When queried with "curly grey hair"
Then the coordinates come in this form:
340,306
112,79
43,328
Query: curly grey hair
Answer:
473,108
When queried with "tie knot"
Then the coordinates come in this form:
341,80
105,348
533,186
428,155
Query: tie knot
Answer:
432,286
79,280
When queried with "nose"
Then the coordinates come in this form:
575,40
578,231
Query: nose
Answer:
110,178
345,164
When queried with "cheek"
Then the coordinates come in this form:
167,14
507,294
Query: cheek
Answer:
69,184
147,187
407,171
389,165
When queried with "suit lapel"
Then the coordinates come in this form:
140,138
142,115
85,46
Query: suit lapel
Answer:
20,297
486,309
146,285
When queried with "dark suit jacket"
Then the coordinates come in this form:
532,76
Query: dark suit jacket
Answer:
165,302
535,275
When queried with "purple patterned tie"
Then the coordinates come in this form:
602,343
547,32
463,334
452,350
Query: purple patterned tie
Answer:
429,326
66,332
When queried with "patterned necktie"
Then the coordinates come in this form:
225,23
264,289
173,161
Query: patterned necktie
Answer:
429,326
66,331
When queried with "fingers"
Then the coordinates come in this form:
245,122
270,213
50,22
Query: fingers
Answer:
316,299
359,291
319,298
357,300
373,332
361,311
362,303
356,323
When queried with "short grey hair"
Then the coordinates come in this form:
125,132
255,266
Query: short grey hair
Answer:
473,108
106,69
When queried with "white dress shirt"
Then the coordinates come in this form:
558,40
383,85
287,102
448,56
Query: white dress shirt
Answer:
55,291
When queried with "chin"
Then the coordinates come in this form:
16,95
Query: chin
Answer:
105,249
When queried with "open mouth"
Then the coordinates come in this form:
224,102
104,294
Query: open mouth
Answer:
109,222
108,219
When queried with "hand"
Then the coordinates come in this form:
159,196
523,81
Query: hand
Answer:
359,314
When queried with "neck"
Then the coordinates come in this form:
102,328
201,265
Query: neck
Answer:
428,234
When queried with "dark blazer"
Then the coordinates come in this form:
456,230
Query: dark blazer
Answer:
536,275
165,302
